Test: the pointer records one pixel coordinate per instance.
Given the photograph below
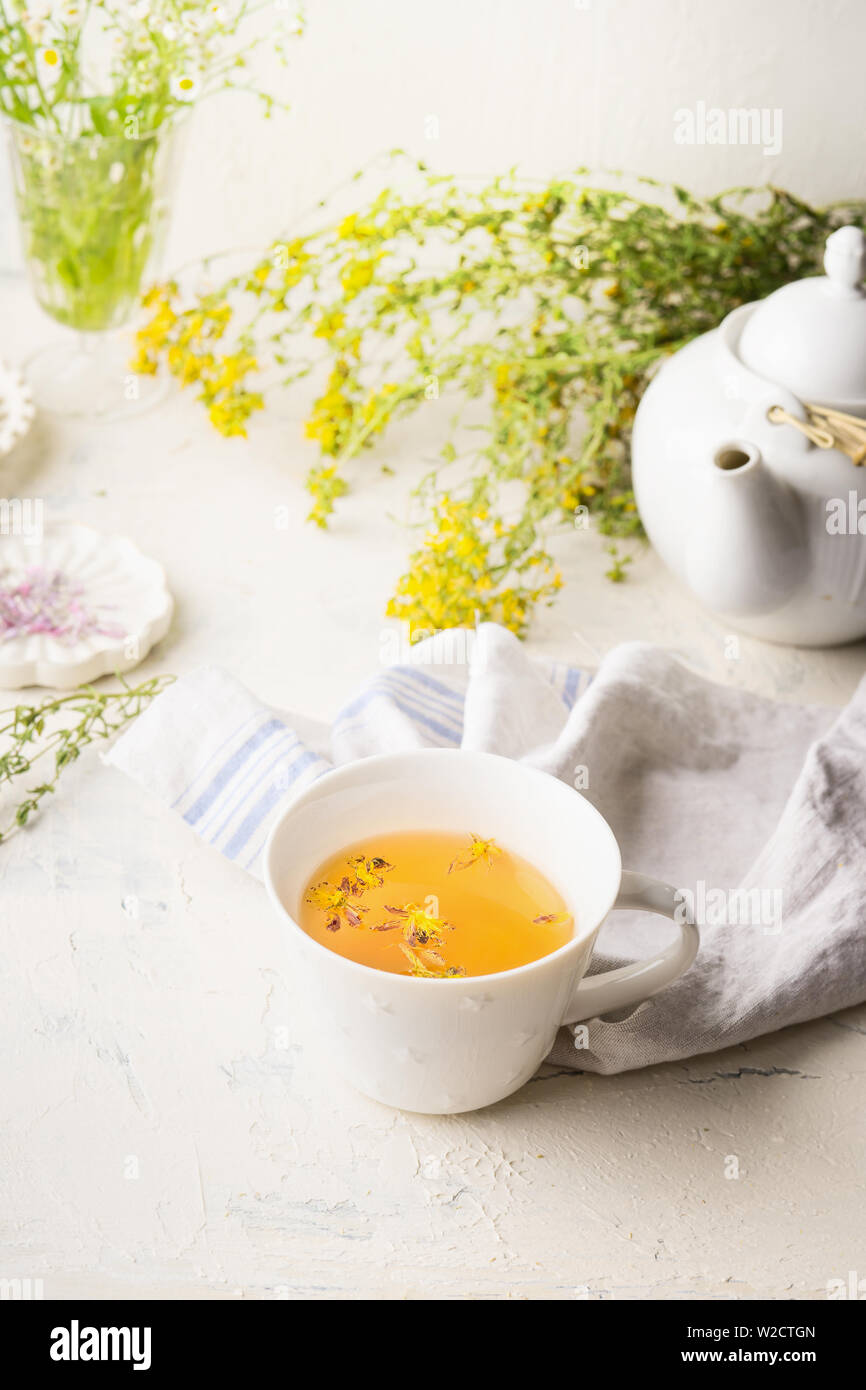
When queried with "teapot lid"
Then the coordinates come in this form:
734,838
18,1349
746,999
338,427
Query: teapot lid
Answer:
810,336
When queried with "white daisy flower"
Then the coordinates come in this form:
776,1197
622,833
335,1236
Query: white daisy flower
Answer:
140,9
186,87
49,63
217,13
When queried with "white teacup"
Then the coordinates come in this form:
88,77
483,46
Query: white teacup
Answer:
447,1045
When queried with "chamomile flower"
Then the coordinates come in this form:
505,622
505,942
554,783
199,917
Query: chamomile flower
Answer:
185,87
49,63
217,13
140,9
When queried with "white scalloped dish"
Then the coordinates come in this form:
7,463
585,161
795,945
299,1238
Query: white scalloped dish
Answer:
101,603
16,408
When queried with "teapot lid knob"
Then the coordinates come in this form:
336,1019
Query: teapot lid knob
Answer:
845,260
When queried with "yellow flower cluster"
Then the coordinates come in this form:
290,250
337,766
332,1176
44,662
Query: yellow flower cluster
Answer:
357,274
341,425
187,342
329,325
376,410
450,581
333,412
325,485
293,261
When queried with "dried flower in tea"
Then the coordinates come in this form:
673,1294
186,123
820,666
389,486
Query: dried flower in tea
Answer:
367,873
478,849
334,902
429,964
443,924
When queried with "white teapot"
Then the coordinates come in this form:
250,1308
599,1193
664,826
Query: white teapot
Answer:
745,452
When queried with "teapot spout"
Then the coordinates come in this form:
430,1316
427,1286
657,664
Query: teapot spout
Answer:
746,550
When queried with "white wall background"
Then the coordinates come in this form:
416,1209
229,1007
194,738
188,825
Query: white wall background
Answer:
544,84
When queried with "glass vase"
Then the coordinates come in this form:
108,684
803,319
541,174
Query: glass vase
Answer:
93,211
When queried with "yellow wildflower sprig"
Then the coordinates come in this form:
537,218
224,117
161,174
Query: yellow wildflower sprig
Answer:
461,574
554,305
188,339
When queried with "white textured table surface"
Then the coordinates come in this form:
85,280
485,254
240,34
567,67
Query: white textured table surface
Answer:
164,1130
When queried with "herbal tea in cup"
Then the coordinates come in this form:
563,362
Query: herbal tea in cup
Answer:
434,965
434,904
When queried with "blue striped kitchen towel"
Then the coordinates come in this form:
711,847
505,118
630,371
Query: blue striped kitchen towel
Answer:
696,779
225,762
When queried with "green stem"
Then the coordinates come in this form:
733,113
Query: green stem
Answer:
356,442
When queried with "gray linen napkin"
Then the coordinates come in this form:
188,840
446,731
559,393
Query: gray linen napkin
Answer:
755,810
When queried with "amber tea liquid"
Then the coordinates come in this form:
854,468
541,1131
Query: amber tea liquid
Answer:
434,904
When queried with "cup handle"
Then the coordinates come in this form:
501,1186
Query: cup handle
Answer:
616,989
